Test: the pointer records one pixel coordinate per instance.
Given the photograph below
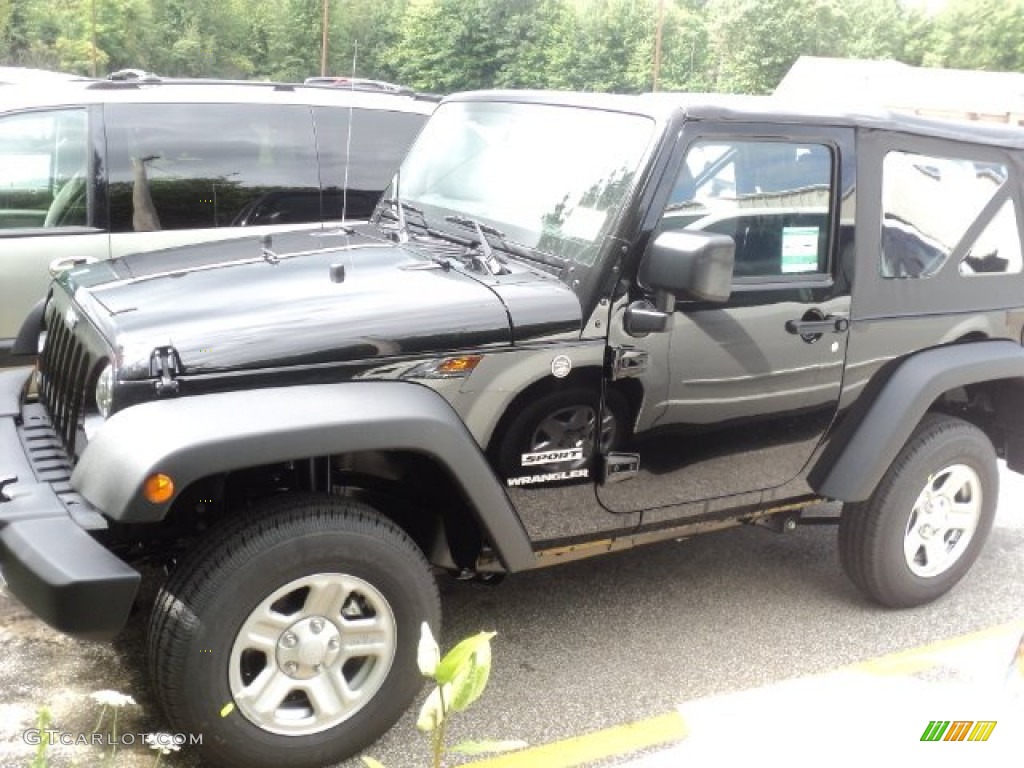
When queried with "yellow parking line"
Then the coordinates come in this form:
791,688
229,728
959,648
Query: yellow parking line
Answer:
926,656
579,750
666,729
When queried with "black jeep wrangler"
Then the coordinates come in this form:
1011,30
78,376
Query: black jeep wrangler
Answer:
576,324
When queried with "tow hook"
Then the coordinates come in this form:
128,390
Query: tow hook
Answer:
4,482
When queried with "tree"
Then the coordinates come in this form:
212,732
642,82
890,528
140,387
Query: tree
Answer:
755,42
979,34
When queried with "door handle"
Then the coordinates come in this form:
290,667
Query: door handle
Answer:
817,327
65,263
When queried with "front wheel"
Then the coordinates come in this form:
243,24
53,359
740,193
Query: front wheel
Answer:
927,521
289,637
562,431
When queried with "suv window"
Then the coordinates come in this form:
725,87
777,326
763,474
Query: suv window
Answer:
930,205
166,173
366,161
772,197
43,169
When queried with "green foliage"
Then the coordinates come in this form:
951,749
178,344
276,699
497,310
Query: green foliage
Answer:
43,720
979,34
452,45
460,678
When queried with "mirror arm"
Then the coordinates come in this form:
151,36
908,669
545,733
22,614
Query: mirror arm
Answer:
664,301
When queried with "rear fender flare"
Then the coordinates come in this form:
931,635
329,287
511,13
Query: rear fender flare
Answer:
872,434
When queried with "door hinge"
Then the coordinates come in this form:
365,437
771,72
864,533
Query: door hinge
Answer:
620,466
630,362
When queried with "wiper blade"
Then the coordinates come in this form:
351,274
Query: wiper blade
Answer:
491,263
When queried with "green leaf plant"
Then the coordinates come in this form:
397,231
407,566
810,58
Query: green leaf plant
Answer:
460,679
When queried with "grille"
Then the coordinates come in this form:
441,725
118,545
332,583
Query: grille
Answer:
63,368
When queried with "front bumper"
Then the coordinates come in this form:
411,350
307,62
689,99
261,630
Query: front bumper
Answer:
48,559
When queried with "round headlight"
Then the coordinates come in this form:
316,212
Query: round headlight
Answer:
105,390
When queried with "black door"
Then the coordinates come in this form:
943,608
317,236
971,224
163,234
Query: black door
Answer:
736,395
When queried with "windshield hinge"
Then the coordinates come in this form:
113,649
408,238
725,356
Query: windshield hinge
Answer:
163,362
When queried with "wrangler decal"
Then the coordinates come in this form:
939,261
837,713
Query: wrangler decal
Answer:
548,478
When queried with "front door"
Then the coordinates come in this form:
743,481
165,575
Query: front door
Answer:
737,395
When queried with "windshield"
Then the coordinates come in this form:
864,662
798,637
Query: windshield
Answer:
549,178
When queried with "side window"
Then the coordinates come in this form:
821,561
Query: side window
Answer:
772,197
997,249
192,166
44,170
928,205
378,143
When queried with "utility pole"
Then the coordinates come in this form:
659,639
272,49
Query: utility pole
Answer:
92,12
657,43
323,42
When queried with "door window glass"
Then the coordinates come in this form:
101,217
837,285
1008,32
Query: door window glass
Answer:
367,163
44,163
189,166
771,197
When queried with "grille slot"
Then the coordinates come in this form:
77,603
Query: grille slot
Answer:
63,365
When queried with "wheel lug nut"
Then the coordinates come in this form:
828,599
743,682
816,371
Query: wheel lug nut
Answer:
288,640
333,644
317,625
290,668
318,667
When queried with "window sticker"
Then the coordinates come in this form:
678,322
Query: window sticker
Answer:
799,250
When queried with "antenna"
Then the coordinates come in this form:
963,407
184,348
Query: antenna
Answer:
348,134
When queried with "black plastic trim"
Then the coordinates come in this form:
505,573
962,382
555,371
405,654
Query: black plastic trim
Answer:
194,437
56,569
864,447
27,340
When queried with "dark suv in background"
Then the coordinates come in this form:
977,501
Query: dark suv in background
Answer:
92,170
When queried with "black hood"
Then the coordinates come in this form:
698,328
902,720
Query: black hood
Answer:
228,306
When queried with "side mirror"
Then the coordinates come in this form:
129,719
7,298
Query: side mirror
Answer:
689,265
683,264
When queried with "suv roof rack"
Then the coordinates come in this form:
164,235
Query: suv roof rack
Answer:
139,78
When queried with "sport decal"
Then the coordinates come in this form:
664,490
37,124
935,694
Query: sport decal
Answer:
552,457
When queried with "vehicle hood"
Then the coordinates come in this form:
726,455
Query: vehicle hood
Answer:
226,306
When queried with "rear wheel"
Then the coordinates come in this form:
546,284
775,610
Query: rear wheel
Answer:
927,521
301,623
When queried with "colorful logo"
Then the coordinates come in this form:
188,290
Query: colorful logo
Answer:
958,730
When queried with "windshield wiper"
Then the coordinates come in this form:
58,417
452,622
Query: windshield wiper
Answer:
490,262
400,209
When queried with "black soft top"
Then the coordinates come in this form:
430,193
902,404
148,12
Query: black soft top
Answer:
665,106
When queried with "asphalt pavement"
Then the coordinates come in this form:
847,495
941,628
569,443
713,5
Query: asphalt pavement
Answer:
952,702
738,645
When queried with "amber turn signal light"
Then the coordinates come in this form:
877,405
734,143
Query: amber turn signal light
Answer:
453,366
159,488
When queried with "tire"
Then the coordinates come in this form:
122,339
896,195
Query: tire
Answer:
273,604
562,420
903,547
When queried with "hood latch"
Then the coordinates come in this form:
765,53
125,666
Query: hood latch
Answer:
163,362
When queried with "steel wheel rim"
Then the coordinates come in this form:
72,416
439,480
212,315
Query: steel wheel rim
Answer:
312,654
573,426
943,521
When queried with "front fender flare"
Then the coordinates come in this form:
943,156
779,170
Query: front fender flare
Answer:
883,419
193,437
